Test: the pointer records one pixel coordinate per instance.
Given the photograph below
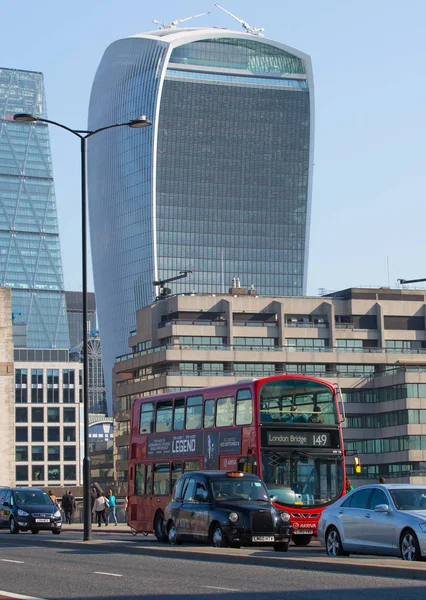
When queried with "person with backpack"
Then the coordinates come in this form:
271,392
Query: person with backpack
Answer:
99,508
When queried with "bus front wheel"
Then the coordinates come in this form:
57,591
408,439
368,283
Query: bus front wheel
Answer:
160,534
301,540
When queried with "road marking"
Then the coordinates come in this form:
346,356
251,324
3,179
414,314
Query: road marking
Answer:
19,562
213,587
4,594
103,573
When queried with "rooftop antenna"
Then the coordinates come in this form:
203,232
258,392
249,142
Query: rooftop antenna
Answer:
175,23
247,27
165,291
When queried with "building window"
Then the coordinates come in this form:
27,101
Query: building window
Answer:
69,434
69,415
37,453
38,472
36,386
37,415
21,453
21,434
21,415
53,434
53,453
68,391
53,415
53,385
255,343
21,472
21,386
53,473
69,452
69,472
37,434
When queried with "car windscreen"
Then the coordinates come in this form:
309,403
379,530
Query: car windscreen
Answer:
239,489
26,497
409,498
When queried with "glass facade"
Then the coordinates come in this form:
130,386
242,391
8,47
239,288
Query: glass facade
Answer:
29,238
220,184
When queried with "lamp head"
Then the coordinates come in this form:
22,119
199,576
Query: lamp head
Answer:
140,122
25,118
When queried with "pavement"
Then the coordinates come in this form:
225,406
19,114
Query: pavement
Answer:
119,539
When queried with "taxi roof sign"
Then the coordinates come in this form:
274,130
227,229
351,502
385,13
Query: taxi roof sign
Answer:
234,474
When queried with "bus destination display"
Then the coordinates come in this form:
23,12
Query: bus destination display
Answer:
298,438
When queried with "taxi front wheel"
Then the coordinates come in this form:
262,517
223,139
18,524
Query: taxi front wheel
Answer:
281,547
217,536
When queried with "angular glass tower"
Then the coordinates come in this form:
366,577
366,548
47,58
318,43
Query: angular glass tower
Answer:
30,254
220,184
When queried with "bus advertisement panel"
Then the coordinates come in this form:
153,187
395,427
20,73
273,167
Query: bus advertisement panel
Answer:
286,429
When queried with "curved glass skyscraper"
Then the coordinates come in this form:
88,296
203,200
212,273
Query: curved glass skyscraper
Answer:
220,184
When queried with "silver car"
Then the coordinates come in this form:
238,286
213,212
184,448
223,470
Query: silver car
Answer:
377,519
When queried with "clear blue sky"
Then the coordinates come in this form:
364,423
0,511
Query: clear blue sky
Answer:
368,206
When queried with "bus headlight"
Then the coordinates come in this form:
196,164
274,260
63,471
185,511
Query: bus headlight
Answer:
233,517
285,517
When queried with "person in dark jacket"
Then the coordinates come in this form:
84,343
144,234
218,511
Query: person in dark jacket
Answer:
68,506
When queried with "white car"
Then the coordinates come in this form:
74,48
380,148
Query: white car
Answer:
377,519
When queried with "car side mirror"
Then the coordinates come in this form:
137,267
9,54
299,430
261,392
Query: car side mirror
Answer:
273,498
382,508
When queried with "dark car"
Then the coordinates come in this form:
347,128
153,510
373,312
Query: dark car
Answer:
29,509
225,509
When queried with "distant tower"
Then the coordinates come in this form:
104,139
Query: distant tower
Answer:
30,254
227,164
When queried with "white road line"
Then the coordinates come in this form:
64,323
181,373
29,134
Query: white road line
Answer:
111,574
19,562
18,596
213,587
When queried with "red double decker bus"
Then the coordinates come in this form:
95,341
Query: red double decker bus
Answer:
286,429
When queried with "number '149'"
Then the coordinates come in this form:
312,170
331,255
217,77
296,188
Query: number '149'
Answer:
320,440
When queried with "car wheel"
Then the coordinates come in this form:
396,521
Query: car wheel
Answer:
217,536
173,536
301,540
133,531
409,546
160,534
333,543
34,531
13,526
281,547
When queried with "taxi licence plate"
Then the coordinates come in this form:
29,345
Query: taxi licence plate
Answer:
42,520
262,538
303,531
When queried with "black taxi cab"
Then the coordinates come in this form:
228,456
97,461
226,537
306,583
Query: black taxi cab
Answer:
225,509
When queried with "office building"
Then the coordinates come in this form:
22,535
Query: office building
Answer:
30,252
74,303
7,417
372,342
48,418
219,185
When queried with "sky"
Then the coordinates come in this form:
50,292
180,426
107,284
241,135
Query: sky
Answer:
368,209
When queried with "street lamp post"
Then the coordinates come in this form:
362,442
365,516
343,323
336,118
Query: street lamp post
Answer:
84,135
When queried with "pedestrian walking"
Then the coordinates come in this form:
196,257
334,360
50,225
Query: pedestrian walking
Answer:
93,496
112,510
99,508
68,506
53,497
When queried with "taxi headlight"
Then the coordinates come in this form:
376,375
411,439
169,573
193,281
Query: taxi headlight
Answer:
233,517
285,517
423,527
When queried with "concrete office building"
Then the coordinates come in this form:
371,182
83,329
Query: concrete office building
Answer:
48,418
29,237
7,417
228,159
370,341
